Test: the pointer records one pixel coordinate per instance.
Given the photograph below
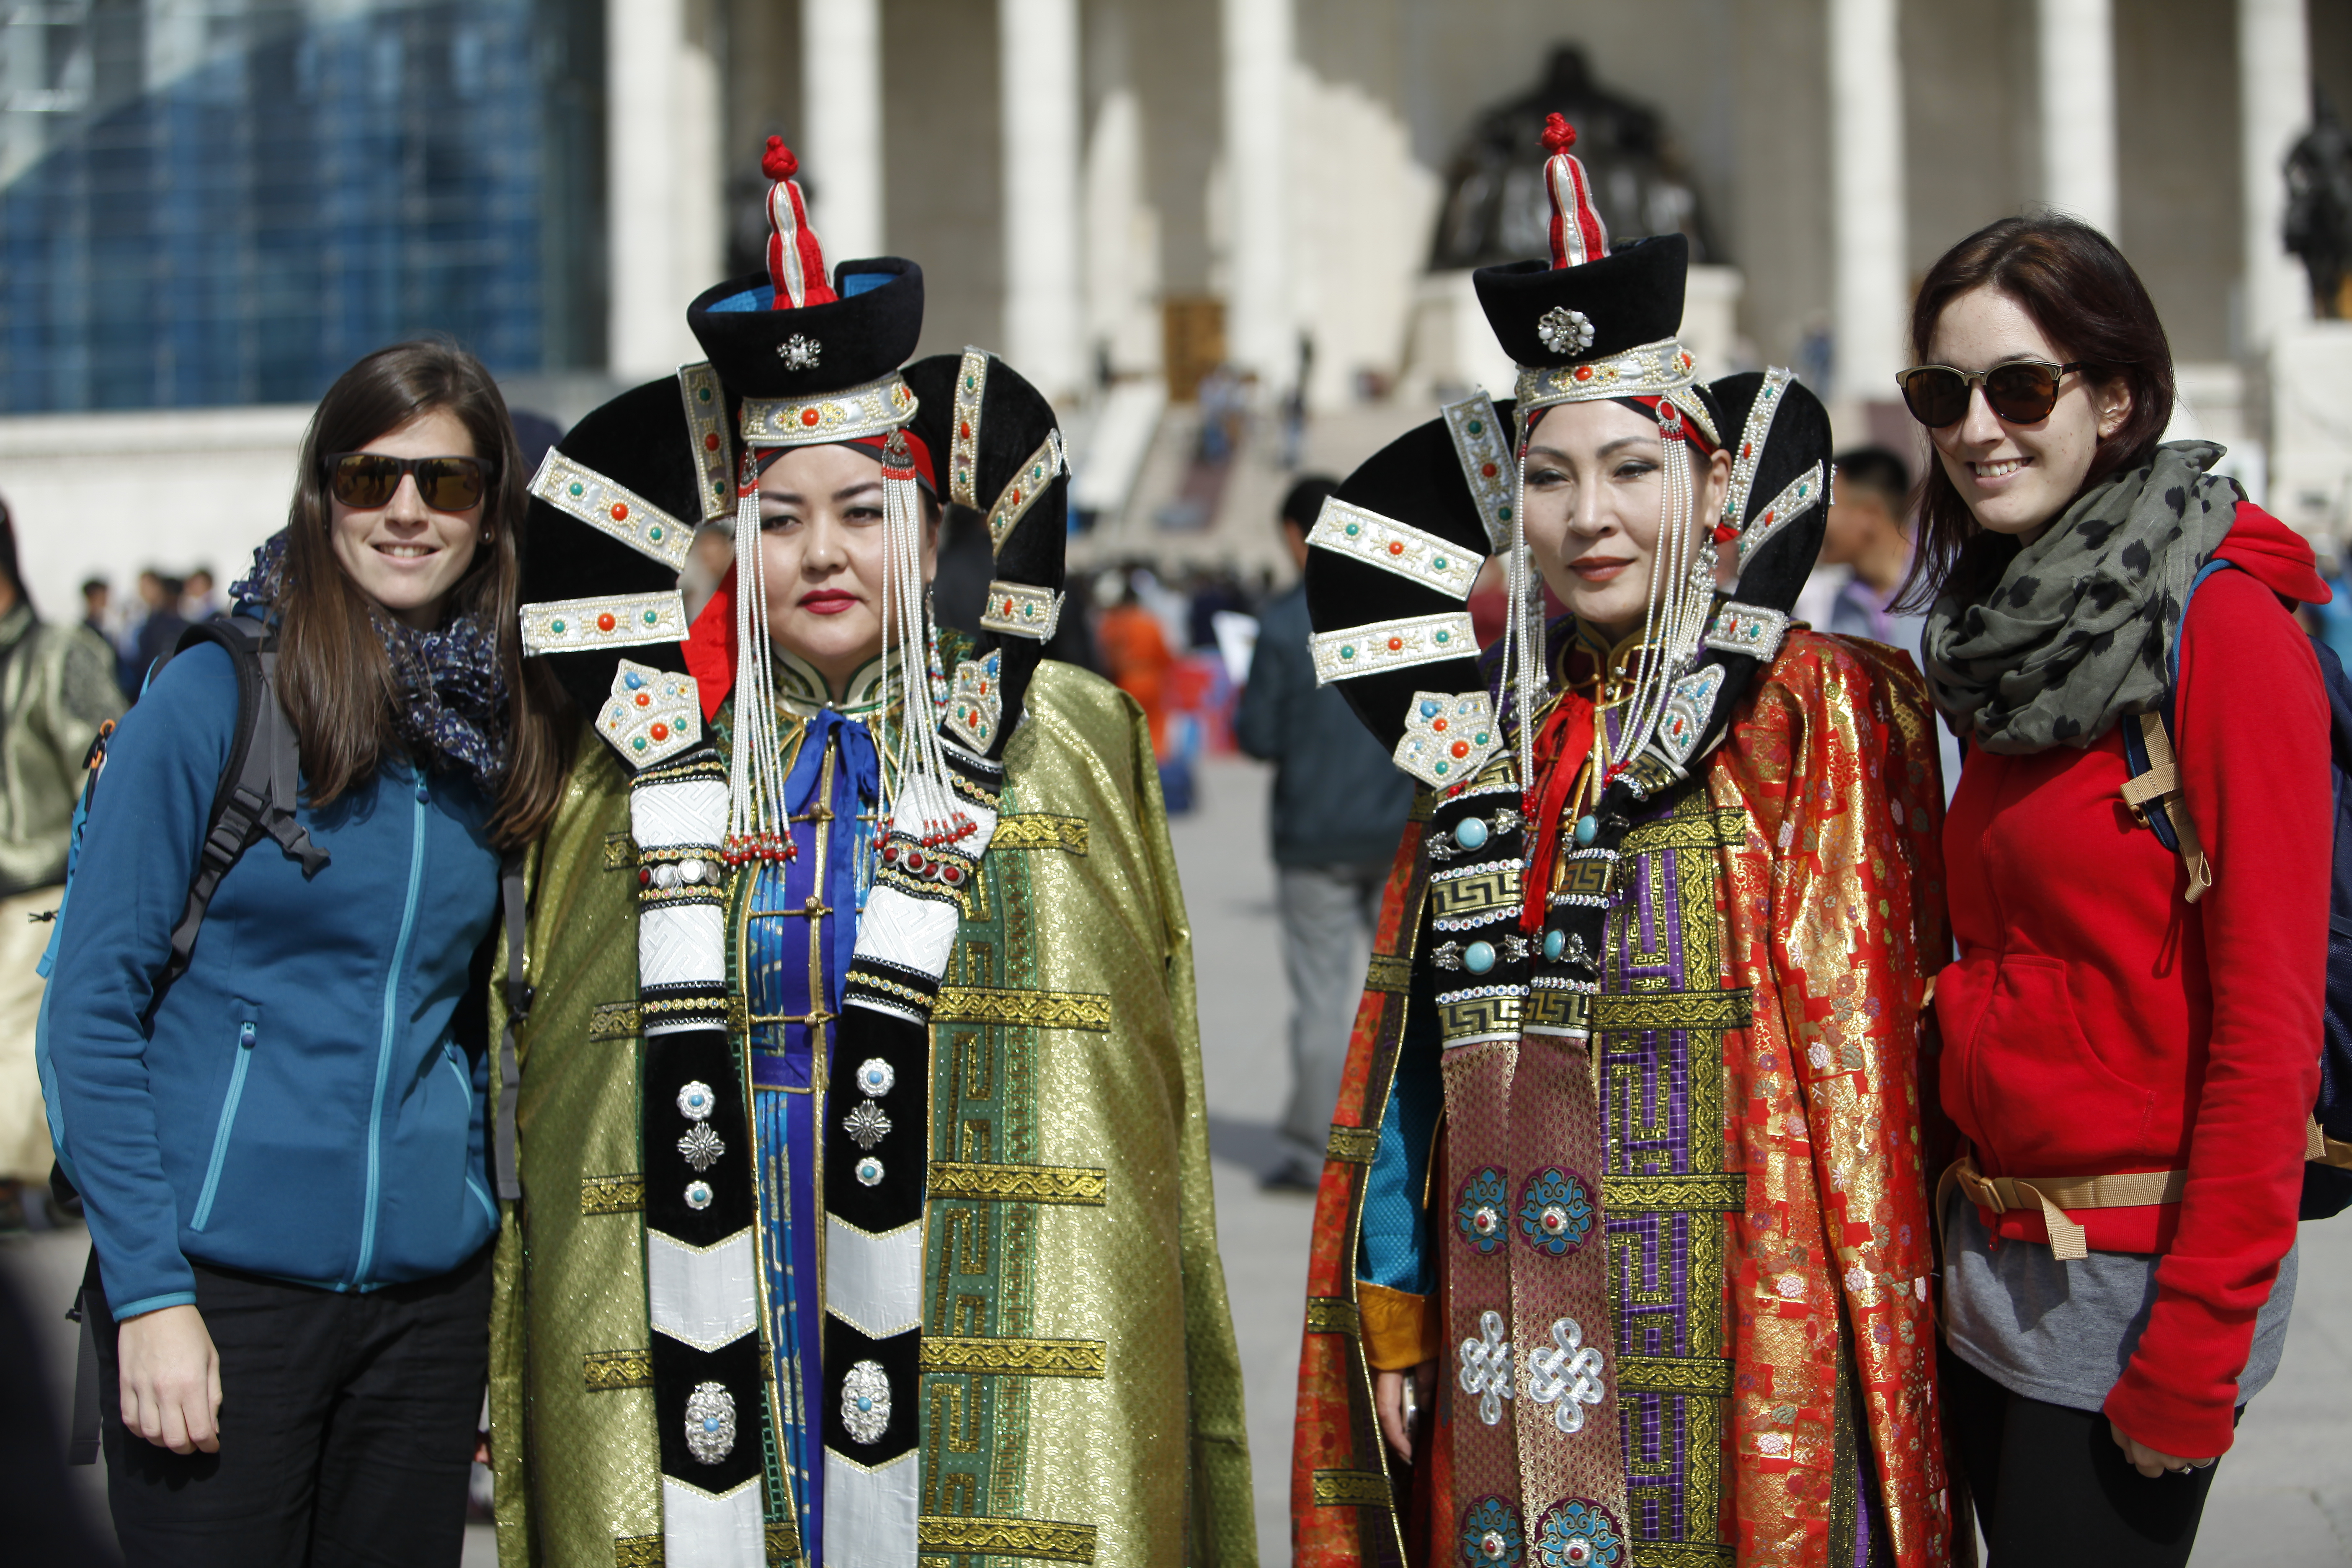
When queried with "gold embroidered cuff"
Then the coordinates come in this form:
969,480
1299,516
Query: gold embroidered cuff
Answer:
1400,1330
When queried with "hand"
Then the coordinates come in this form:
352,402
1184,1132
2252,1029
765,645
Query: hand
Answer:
170,1376
1388,1403
2150,1462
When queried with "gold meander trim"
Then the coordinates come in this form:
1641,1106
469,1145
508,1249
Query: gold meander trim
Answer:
1709,1376
1488,889
613,1021
1040,830
1031,1009
1042,1538
1088,1184
637,1552
1352,1489
605,1370
1389,972
1675,1194
1333,1315
1353,1145
1014,1358
613,1195
1719,826
1712,1011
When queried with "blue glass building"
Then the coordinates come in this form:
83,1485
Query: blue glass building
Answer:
209,201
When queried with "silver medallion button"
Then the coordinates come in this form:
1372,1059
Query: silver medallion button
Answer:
694,1102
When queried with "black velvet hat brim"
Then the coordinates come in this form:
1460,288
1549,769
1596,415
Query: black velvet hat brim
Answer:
1416,479
1799,438
861,337
1633,296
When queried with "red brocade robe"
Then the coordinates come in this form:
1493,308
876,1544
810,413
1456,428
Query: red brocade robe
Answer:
1820,821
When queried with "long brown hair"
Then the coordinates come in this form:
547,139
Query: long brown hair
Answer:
334,676
2085,297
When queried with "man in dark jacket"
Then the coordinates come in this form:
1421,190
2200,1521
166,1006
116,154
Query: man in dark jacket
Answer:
1340,804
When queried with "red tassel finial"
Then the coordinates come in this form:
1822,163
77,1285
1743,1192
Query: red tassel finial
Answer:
1559,135
778,162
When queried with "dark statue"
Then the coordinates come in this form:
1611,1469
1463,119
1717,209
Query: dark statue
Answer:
1496,209
2319,208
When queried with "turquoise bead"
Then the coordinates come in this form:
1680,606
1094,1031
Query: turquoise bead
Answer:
1470,832
1555,943
1588,828
1430,706
1478,957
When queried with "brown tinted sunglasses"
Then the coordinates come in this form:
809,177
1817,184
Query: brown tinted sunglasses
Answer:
2022,392
366,480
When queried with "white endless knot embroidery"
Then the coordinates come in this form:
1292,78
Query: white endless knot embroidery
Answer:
1487,1367
1567,1375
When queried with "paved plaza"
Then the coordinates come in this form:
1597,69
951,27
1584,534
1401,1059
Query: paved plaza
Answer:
2283,1497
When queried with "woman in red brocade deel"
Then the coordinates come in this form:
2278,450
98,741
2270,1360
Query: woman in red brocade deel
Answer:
1621,1254
2131,1055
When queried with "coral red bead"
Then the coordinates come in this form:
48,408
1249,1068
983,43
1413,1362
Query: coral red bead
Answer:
605,623
620,512
661,731
1396,645
1460,748
644,698
710,442
809,416
1487,469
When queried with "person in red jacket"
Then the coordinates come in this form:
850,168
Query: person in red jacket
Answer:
2130,1055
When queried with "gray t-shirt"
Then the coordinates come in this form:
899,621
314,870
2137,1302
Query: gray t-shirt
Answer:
2062,1333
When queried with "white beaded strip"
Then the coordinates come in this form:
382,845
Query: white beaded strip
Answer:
1022,610
1752,438
963,442
569,626
1396,547
1021,492
1801,495
1652,370
706,421
1751,629
613,510
1480,446
1392,645
873,409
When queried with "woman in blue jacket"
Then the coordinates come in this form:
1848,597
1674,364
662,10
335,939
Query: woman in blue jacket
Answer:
282,1151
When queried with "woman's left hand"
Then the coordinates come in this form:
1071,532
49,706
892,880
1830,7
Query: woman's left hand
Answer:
2149,1462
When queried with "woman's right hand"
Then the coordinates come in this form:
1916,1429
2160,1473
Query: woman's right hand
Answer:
1388,1403
170,1375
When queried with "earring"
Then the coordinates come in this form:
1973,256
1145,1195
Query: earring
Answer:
486,536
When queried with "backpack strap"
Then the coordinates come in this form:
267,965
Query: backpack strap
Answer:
2153,792
519,1000
258,785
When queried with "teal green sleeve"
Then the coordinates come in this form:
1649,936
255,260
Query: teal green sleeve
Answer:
1394,1251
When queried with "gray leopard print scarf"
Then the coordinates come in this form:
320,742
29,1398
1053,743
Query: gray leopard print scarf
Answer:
2078,632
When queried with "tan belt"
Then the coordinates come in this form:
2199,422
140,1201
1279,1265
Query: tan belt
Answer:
2054,1194
2319,1146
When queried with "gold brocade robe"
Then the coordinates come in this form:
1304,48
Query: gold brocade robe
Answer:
1069,1194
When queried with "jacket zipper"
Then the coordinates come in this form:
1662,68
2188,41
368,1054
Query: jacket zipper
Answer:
386,1041
245,1036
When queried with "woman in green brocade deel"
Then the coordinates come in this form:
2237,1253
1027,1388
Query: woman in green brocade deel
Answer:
864,1201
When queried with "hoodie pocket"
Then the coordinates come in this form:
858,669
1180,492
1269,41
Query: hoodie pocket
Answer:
248,1034
2047,1104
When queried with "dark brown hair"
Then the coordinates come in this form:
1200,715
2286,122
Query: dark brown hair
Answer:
334,676
2085,297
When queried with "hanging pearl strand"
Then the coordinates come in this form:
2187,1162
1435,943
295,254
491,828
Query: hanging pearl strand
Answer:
1674,616
756,830
1522,648
922,786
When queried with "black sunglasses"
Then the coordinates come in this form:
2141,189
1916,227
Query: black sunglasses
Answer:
2022,392
365,480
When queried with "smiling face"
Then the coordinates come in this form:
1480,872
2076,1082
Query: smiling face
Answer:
821,549
1595,484
2016,477
403,554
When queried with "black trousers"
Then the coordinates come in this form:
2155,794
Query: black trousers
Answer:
2052,1489
347,1428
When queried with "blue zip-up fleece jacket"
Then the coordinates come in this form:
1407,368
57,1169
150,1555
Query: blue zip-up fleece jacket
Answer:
299,1107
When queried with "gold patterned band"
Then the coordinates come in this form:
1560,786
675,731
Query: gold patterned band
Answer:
1652,370
1040,830
1014,1358
1082,1185
605,1370
579,493
1045,1539
714,455
1471,1019
1474,890
1717,1194
1332,1315
963,443
1681,1554
613,1195
1353,1145
637,1552
1712,829
1711,1010
873,409
620,852
1352,1489
1389,972
782,1541
1020,610
571,626
614,1021
1487,466
1707,1375
1021,492
1031,1009
1392,645
1395,547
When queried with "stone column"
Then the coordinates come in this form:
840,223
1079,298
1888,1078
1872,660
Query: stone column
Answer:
840,148
1870,298
2077,51
2274,110
1261,332
662,180
1037,56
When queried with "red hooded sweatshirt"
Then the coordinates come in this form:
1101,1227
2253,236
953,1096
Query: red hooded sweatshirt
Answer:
2096,1023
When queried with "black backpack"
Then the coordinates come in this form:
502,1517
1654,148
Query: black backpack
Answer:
2153,797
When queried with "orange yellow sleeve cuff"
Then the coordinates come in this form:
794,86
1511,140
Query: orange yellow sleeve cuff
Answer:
1400,1330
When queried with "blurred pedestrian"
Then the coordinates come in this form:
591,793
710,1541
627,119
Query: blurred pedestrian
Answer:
305,1102
158,631
1136,656
56,687
1337,809
1870,531
198,599
97,603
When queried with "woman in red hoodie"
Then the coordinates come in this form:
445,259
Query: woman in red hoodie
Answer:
2107,1017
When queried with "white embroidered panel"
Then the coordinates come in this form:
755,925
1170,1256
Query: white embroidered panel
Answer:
1799,496
869,1515
1395,547
873,1283
678,815
713,1530
683,944
703,1296
912,932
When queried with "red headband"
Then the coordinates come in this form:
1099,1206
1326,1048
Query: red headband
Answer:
763,457
1692,431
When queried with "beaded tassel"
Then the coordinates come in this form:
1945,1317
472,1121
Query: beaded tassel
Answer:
910,661
756,828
